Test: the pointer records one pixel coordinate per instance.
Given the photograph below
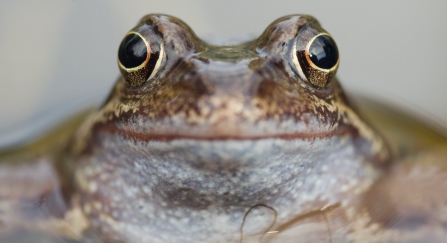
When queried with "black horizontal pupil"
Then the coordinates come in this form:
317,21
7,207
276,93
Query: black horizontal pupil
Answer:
323,52
133,51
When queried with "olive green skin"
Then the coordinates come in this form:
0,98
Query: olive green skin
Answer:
228,144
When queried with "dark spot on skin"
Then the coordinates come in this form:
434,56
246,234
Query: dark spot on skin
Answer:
156,30
411,223
149,21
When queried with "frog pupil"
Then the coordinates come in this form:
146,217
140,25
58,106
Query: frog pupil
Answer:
133,51
323,52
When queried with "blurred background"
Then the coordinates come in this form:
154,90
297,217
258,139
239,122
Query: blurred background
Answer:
58,57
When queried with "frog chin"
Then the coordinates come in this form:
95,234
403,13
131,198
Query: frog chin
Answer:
213,175
198,172
214,183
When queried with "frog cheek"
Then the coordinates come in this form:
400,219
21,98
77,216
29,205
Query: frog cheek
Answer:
137,60
317,63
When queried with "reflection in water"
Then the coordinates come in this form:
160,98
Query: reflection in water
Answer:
387,220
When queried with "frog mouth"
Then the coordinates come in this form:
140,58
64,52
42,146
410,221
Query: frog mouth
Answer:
222,136
226,127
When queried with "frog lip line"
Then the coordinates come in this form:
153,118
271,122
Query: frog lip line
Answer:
178,136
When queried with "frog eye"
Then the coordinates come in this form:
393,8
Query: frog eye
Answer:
317,60
322,52
138,59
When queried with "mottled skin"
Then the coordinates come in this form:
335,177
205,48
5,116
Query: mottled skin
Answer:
227,144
